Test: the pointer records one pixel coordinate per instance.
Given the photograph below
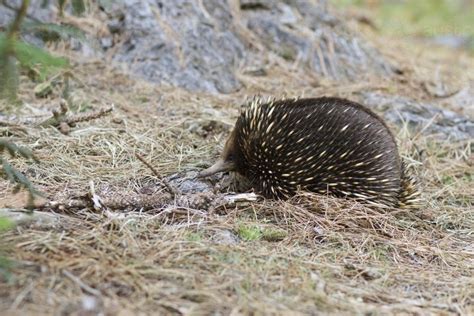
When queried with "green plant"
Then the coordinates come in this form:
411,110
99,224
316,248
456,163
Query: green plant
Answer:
249,232
78,6
15,52
8,68
273,234
5,263
194,236
15,176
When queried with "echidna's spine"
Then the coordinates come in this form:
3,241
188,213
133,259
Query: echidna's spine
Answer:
410,195
322,145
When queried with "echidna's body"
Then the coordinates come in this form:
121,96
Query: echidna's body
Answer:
324,145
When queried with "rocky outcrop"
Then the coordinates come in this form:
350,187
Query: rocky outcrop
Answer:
205,45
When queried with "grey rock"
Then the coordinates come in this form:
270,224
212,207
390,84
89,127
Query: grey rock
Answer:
31,219
224,237
420,116
463,100
308,32
36,11
203,45
188,183
181,43
106,42
453,41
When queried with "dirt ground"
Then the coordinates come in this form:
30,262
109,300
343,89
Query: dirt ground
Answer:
113,240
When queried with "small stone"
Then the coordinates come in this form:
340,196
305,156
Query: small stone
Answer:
225,237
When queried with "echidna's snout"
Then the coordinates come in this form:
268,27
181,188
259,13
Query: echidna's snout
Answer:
227,161
220,166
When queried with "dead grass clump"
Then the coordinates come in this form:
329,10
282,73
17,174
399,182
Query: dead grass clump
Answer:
116,248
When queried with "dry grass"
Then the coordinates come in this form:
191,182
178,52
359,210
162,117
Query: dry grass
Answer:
331,256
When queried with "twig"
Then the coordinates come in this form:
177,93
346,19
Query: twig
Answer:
168,186
117,201
9,124
430,122
64,122
88,116
81,284
232,199
153,202
15,27
21,297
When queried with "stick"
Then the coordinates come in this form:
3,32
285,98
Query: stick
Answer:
168,186
81,284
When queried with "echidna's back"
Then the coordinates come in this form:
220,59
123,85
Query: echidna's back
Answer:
325,145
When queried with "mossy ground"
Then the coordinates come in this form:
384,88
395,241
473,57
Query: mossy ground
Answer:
309,255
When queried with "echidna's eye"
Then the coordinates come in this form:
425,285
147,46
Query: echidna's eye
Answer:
230,157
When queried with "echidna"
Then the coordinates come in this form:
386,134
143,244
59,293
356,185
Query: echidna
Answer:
324,145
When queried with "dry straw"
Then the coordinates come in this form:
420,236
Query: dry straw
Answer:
185,256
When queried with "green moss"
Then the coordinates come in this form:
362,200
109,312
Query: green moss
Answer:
249,232
381,253
194,236
273,234
5,224
447,180
287,53
468,177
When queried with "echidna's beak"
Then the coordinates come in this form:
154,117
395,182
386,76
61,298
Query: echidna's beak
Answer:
220,166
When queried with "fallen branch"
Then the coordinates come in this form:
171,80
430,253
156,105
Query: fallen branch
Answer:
146,202
64,122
